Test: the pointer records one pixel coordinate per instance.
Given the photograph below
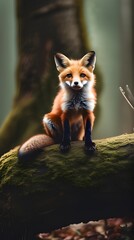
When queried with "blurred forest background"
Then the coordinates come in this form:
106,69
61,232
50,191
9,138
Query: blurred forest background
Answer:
110,33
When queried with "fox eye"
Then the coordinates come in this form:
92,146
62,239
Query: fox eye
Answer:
69,75
82,75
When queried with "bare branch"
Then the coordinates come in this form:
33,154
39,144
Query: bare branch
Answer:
131,101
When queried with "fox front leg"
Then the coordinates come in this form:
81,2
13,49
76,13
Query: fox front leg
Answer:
65,144
89,144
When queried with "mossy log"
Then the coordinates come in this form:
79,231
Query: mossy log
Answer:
56,189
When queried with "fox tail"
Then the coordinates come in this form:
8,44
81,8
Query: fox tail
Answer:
34,146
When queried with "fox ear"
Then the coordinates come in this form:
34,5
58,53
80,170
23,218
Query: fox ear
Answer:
89,60
61,61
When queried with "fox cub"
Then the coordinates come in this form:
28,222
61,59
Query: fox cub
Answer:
71,117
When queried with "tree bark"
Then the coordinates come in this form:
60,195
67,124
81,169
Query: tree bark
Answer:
54,189
44,28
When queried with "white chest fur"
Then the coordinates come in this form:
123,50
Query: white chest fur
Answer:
78,100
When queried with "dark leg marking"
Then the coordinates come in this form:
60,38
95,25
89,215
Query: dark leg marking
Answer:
89,145
65,144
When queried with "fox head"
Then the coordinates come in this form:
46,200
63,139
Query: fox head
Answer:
76,74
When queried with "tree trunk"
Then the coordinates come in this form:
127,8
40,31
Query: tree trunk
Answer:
44,28
57,189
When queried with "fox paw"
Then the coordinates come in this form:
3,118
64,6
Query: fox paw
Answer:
64,147
90,148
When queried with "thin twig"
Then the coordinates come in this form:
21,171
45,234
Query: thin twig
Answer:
131,97
124,95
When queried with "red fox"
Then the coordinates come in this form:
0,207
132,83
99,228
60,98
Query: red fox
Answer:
71,117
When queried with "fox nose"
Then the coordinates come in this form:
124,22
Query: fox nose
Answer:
75,83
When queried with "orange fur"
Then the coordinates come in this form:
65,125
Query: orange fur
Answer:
71,73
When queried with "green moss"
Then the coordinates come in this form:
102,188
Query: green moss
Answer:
113,157
56,189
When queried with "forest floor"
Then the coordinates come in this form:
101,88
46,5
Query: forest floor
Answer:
109,229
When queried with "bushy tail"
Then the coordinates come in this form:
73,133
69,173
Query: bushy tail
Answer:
33,146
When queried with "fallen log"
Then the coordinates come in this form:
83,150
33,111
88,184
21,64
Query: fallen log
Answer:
55,189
